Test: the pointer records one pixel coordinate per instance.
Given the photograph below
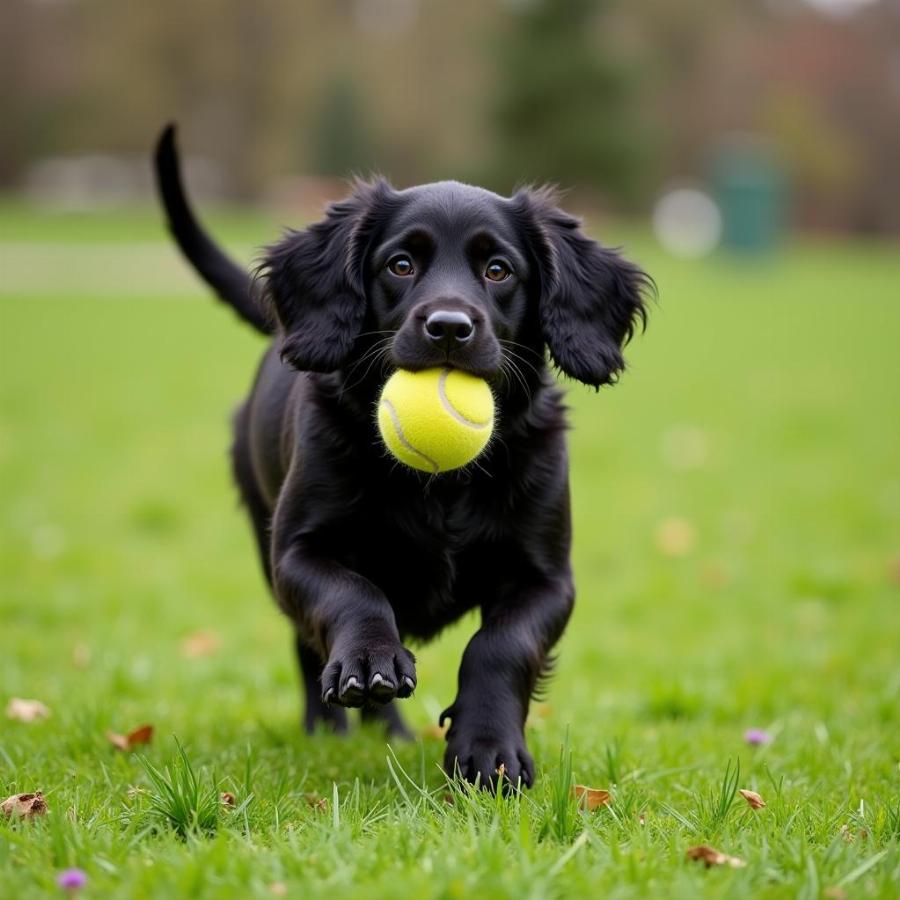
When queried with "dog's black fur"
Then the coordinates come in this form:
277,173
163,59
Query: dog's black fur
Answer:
361,552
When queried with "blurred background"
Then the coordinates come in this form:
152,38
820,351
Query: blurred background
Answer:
785,112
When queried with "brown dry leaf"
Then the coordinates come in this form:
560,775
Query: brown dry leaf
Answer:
835,893
755,801
278,888
227,799
125,742
24,806
26,710
316,802
675,537
200,644
590,798
712,857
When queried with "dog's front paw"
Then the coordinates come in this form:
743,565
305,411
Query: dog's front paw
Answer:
484,754
375,672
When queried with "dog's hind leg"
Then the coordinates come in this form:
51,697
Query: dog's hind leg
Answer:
388,716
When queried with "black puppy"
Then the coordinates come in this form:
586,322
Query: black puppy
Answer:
363,553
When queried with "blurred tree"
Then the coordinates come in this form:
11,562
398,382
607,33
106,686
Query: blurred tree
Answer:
567,109
341,140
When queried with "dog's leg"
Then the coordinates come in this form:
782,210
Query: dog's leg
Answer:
499,670
388,716
315,710
345,617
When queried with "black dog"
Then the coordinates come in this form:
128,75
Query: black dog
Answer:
361,552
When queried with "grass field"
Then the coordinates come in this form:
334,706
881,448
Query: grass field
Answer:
737,522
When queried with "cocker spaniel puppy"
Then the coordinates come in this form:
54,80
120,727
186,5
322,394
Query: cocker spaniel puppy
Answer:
363,554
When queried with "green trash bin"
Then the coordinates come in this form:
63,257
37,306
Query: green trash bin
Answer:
750,188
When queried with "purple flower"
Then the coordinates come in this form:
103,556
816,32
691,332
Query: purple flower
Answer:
757,737
72,879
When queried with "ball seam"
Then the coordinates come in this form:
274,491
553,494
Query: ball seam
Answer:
395,420
450,408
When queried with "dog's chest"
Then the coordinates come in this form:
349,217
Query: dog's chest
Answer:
425,550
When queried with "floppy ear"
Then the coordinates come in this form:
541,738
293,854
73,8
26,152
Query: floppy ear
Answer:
591,299
315,282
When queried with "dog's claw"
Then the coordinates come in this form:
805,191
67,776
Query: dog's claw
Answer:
381,689
328,695
369,674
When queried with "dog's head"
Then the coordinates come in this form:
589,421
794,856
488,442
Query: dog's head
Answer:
448,274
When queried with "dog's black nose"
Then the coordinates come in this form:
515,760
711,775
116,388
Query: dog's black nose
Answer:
450,327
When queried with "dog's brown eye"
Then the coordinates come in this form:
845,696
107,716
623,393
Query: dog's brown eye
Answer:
401,265
497,271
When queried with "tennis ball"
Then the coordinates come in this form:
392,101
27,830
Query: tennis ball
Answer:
437,419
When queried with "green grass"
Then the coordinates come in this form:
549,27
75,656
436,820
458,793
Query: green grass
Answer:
757,431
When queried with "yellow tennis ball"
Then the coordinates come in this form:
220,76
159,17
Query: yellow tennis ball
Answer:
437,419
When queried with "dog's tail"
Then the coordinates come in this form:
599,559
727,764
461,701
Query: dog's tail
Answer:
229,280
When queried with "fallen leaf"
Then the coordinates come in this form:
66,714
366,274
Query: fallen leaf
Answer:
712,857
316,802
755,801
278,888
675,537
125,742
590,798
227,799
200,644
894,570
26,710
835,893
24,806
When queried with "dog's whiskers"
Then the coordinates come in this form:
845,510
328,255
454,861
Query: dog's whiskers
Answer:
373,358
374,350
508,344
510,364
